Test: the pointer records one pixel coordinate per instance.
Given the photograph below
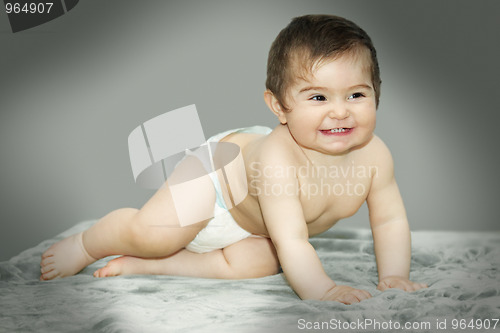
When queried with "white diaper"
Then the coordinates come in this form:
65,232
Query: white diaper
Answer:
222,230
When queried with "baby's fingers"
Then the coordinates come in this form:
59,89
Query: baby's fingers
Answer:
348,299
402,284
383,285
363,294
355,296
419,286
405,285
412,286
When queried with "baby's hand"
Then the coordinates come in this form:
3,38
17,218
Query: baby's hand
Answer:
399,282
346,295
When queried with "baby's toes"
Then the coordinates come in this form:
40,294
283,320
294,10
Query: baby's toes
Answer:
109,270
49,275
49,252
101,272
97,273
47,261
47,268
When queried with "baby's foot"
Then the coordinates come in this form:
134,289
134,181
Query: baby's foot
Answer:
65,258
127,265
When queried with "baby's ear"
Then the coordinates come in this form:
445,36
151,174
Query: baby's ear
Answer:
275,106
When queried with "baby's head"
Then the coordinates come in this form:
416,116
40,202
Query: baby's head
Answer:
307,42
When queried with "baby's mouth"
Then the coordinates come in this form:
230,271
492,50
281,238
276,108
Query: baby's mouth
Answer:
337,130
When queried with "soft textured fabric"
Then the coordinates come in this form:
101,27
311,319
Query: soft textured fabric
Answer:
222,230
462,270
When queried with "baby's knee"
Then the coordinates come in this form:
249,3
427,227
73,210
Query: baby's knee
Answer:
252,258
253,270
155,240
262,269
266,260
123,214
150,240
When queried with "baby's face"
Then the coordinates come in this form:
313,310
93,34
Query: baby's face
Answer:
333,112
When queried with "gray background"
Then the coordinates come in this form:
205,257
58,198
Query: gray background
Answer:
74,88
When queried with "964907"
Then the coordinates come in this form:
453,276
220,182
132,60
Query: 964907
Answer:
28,7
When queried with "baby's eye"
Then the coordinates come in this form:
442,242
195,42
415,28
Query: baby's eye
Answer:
319,98
356,95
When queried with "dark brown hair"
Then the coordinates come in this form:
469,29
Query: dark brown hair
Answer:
310,39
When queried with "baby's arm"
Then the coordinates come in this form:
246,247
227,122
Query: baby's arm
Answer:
391,233
288,230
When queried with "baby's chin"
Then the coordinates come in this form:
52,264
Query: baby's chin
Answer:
332,151
337,152
343,148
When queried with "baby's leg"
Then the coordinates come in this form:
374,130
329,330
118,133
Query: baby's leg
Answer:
152,231
248,258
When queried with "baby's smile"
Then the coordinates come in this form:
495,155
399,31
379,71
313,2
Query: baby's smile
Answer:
337,131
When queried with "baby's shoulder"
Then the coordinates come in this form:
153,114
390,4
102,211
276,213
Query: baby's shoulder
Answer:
377,147
377,155
277,148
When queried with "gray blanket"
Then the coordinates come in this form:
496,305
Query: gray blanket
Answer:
462,270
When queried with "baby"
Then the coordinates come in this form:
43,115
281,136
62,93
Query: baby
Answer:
319,165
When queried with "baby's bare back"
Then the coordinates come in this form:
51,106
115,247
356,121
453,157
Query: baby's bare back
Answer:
329,188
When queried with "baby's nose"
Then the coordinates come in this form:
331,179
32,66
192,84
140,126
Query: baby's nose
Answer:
339,112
